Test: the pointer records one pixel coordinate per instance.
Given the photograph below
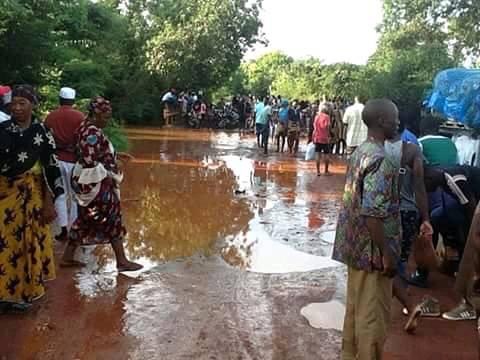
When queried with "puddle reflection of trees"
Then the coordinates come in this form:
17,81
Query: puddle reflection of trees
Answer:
183,211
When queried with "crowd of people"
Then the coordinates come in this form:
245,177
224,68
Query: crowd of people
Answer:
403,192
332,127
63,168
400,190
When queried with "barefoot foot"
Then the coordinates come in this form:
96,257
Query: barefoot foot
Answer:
129,266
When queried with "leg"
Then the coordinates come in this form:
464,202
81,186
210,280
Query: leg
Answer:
349,347
123,264
266,138
373,306
318,157
283,143
68,258
327,163
290,143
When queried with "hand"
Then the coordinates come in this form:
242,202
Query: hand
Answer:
125,157
389,265
426,230
48,213
120,165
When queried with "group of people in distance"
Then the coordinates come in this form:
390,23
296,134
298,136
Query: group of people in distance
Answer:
47,170
332,126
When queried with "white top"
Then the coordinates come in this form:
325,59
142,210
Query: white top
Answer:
4,117
357,131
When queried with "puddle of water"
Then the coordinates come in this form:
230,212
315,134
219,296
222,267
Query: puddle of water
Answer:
180,200
100,275
255,251
328,315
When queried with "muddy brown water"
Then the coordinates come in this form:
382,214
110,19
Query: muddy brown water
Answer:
234,246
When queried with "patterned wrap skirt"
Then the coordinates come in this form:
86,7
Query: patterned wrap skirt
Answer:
100,222
26,245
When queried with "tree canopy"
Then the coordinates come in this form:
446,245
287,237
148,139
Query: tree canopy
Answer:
130,51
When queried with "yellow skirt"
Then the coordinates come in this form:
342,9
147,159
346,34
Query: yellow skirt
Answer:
26,246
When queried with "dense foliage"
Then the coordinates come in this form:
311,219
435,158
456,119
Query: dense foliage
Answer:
131,51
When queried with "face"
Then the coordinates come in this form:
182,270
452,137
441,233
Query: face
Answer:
21,109
102,118
391,123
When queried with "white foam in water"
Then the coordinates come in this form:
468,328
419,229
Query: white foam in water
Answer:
329,315
268,256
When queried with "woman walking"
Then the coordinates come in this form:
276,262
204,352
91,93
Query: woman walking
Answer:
27,159
96,182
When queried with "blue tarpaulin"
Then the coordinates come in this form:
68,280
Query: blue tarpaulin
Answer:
456,95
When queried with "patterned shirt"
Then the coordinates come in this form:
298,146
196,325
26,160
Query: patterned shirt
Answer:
371,190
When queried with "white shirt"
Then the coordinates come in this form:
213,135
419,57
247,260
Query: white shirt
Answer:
4,117
357,131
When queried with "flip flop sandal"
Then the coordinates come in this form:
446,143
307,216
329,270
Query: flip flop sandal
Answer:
72,264
430,308
412,322
14,308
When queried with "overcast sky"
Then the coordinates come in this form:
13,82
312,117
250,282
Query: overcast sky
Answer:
332,30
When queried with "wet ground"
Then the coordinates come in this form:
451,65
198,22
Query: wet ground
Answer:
236,248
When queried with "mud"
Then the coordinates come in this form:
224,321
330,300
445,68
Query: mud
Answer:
235,245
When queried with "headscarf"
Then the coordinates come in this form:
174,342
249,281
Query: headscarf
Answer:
99,104
5,95
27,92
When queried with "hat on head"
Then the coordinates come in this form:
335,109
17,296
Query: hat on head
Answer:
99,105
5,95
26,91
67,93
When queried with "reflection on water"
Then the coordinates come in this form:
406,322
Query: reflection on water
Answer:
183,210
255,251
191,192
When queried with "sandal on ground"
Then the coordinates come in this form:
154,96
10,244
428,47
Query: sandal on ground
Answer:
14,308
430,307
72,264
412,322
463,311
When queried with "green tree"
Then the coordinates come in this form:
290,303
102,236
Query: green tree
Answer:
200,43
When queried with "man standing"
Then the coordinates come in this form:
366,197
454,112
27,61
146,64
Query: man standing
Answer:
368,235
262,120
64,122
438,150
356,129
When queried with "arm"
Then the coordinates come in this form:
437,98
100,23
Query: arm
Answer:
419,185
380,192
377,233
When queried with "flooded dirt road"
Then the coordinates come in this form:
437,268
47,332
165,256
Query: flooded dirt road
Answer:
236,248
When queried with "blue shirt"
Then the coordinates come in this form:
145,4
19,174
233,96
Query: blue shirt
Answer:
283,115
409,137
262,114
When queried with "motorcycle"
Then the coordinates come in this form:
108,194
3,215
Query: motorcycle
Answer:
194,119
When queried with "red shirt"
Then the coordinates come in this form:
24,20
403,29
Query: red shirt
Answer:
321,132
64,123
